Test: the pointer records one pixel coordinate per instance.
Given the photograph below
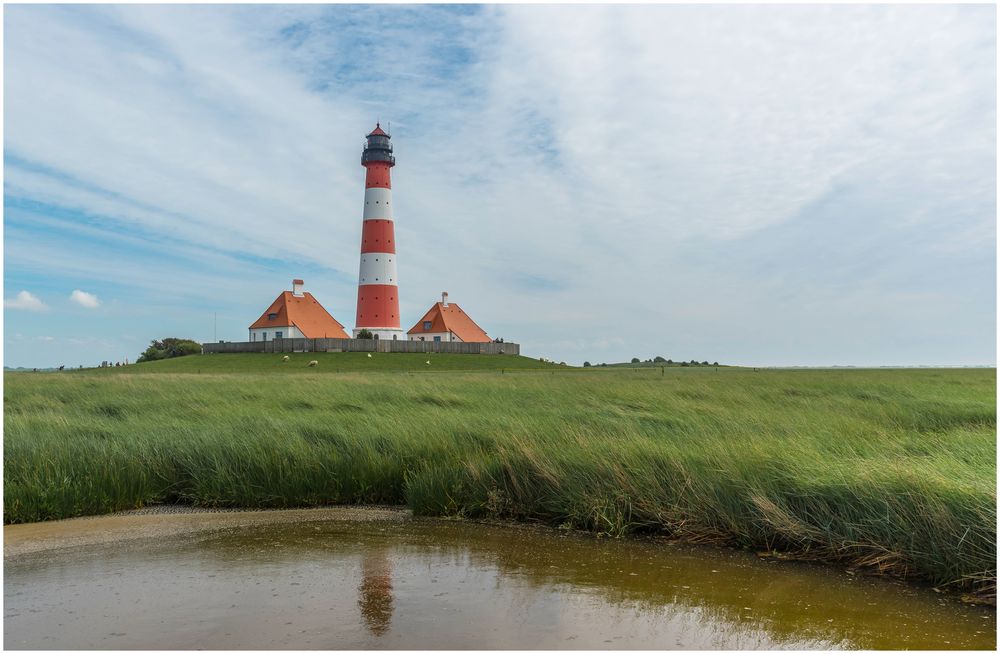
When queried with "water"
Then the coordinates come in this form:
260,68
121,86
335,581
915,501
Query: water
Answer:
431,584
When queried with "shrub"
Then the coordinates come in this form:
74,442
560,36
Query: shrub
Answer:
586,364
366,335
635,359
169,348
659,360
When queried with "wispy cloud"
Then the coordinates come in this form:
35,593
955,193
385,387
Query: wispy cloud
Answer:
84,299
25,301
743,183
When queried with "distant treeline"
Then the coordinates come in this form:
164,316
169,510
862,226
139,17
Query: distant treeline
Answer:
636,362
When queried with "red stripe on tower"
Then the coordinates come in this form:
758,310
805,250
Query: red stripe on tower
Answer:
378,304
377,176
378,299
377,236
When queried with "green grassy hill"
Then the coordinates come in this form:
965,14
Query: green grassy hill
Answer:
331,362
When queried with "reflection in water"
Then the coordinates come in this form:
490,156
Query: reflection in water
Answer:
375,591
430,584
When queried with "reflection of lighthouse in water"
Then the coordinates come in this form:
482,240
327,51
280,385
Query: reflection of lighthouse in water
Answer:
375,591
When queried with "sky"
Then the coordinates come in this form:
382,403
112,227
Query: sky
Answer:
755,185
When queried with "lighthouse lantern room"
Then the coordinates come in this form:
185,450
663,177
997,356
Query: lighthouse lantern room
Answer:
378,282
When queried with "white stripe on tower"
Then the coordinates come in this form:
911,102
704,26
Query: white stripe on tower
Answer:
378,203
378,268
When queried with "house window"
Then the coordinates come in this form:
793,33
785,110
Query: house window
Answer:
278,334
437,339
253,337
427,325
272,316
263,336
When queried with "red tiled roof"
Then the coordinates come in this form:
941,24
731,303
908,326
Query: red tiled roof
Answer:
451,319
377,131
303,312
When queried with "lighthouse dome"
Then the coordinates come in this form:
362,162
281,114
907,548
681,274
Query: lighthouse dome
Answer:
378,147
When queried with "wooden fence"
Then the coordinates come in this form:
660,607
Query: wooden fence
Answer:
359,345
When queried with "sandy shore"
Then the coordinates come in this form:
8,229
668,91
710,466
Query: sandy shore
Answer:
166,521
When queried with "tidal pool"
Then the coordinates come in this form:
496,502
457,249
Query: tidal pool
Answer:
403,583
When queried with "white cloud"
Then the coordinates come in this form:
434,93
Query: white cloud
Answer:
651,174
84,299
25,301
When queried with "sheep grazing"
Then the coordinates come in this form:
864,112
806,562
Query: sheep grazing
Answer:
369,355
427,362
284,358
313,364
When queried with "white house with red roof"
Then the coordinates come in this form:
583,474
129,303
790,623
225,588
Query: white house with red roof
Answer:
446,322
296,314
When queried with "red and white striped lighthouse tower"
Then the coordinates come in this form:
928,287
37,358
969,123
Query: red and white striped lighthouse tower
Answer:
378,297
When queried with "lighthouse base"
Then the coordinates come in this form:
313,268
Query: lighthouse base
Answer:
382,334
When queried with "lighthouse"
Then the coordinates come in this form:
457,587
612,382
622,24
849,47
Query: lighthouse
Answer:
378,297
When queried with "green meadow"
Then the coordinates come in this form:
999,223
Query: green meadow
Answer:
888,470
332,362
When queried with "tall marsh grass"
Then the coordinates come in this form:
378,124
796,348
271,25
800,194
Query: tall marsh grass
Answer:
894,469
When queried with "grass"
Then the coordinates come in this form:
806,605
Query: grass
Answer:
331,362
891,469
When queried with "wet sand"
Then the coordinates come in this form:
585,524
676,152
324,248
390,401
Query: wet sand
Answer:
166,521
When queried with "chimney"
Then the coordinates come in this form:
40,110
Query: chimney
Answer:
297,287
444,299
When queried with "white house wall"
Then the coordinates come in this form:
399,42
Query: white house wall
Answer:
291,331
446,337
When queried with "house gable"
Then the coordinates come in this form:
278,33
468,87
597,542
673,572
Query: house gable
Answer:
451,319
303,312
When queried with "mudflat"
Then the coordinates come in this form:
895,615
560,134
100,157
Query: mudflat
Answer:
166,522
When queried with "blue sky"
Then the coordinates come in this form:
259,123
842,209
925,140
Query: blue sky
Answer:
772,185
